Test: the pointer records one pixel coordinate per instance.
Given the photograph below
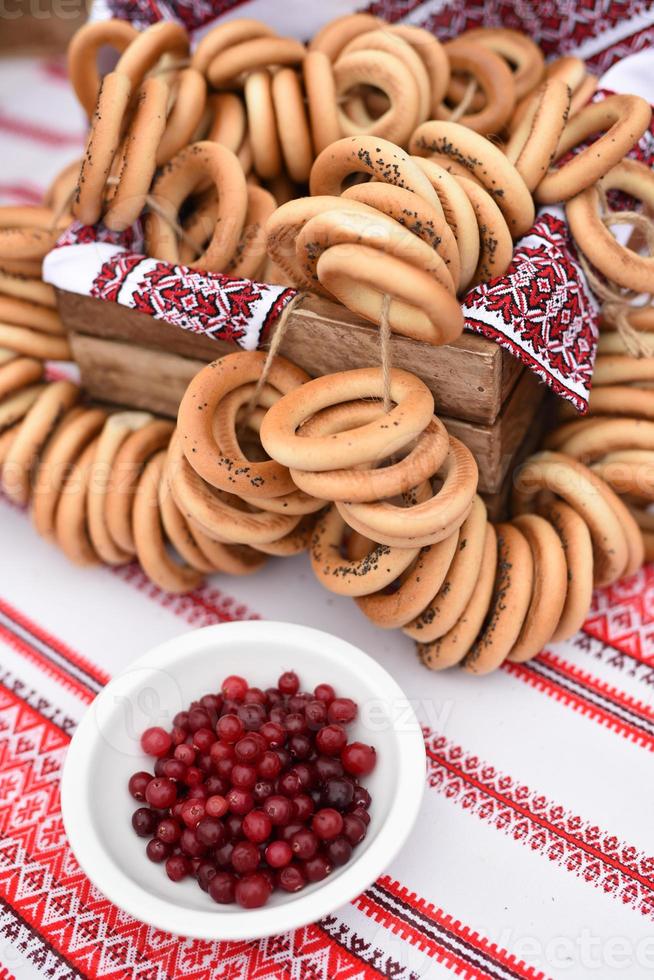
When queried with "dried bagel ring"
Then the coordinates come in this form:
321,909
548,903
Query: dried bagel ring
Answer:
622,120
190,96
420,307
583,93
581,488
578,548
496,244
178,531
616,369
139,155
416,588
387,73
293,543
33,343
379,232
106,130
262,125
196,165
371,155
321,98
485,161
224,36
425,522
398,47
628,471
523,55
7,437
221,516
635,545
292,124
549,588
196,417
32,290
231,559
451,647
16,406
492,75
423,219
27,234
509,606
229,120
459,214
22,313
116,430
77,430
622,400
83,53
251,250
433,55
19,372
619,264
379,439
351,577
71,531
366,483
166,37
448,604
332,38
148,536
533,143
607,435
127,468
247,56
37,425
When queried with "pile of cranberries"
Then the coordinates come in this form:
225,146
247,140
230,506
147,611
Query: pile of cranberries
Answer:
254,790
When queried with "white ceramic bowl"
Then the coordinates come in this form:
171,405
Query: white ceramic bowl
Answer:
105,751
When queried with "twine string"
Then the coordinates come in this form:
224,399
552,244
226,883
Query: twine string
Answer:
465,102
275,344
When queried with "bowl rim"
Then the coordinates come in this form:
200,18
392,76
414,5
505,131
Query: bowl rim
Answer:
298,910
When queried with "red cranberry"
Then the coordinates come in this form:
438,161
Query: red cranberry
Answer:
234,826
185,754
215,786
181,719
298,703
230,728
291,879
247,749
161,793
224,768
324,692
269,765
245,857
327,823
138,783
206,872
300,746
353,828
304,844
203,739
289,683
174,769
216,806
331,740
342,710
362,797
327,767
252,891
315,713
190,844
192,812
253,716
244,776
337,793
144,821
257,826
156,741
198,792
221,750
273,695
240,801
288,831
234,687
254,695
223,855
194,776
339,851
222,887
198,718
305,773
169,830
274,734
284,757
212,702
157,851
317,868
304,807
159,765
358,759
178,736
278,854
177,867
289,784
210,832
263,788
277,714
362,814
295,724
279,809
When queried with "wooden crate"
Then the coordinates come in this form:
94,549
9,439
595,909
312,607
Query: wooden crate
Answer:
485,397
